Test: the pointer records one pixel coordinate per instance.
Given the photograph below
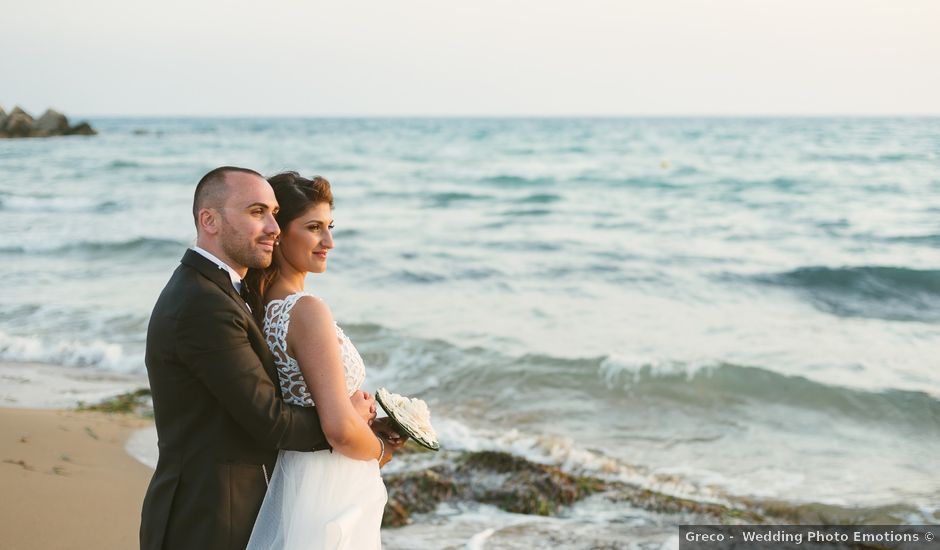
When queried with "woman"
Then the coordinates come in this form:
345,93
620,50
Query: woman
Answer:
327,499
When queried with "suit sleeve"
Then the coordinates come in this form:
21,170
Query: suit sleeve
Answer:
214,343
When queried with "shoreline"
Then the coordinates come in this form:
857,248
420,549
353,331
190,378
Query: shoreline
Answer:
69,481
86,472
45,386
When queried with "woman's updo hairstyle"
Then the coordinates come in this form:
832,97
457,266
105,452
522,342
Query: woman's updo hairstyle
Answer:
295,194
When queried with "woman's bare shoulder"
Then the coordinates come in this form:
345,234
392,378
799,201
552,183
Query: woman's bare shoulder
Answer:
311,311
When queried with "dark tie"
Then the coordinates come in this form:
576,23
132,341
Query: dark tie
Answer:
245,293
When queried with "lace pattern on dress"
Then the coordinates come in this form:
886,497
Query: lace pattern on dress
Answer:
293,387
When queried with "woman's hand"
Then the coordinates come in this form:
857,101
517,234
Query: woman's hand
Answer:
393,440
364,405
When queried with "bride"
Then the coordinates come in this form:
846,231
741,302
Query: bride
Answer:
326,500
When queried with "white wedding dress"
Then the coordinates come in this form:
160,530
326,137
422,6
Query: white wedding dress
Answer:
322,500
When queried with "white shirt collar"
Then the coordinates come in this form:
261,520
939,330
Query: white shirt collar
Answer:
236,278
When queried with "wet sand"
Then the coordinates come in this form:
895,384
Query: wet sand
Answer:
68,481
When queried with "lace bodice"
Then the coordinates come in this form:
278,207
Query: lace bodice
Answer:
293,387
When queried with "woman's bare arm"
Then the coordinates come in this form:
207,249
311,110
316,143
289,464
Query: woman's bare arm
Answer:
311,339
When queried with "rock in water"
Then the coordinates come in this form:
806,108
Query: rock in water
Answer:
517,485
82,129
51,123
19,111
18,124
509,482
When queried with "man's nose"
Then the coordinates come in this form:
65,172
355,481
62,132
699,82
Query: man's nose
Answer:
271,227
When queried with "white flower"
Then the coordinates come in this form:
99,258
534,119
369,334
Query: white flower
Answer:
412,414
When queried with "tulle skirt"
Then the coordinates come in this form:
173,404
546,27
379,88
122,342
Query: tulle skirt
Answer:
321,501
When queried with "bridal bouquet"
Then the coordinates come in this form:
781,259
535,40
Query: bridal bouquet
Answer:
411,415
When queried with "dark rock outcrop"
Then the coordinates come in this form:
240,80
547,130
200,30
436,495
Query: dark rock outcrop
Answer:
517,485
51,122
20,124
509,482
81,129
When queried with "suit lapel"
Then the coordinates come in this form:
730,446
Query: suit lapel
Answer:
220,277
214,273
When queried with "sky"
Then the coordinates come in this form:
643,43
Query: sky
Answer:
471,58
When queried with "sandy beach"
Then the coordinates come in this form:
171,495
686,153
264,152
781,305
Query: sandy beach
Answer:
68,481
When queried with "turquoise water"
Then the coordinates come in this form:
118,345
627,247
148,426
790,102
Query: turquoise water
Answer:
714,307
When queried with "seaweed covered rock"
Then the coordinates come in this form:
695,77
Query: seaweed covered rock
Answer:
416,492
655,501
517,485
509,482
137,402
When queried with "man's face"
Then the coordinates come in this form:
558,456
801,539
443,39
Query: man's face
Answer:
248,229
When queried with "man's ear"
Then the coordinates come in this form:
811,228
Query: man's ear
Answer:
210,221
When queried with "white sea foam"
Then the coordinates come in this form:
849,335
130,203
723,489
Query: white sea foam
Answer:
142,445
458,525
672,543
478,540
70,353
37,385
564,453
621,370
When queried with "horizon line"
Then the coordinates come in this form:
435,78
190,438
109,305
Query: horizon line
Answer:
519,116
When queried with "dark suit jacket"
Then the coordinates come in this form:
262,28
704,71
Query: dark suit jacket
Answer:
218,412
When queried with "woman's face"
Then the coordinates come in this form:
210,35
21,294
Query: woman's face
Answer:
305,241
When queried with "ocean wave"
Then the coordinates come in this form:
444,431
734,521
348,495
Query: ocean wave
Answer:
534,212
57,204
417,277
788,185
347,233
559,451
878,292
683,170
530,245
507,180
428,277
639,182
884,158
123,163
707,383
70,353
539,198
928,239
140,246
434,365
444,199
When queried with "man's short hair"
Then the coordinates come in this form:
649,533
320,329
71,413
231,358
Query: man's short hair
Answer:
211,191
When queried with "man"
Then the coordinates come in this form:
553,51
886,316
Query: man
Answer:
217,406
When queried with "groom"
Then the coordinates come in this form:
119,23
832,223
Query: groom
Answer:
219,415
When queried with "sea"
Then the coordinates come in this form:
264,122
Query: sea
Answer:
712,308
